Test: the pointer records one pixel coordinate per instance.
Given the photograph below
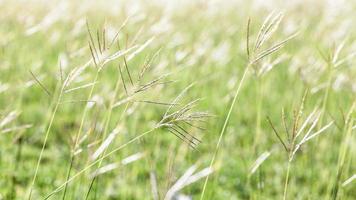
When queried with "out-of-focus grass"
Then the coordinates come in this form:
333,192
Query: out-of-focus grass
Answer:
200,42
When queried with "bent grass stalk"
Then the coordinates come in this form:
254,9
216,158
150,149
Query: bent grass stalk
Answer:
223,128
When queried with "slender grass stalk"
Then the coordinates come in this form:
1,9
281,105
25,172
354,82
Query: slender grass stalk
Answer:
292,144
224,127
57,102
108,118
72,159
97,161
68,175
256,141
343,150
259,100
18,157
286,181
326,94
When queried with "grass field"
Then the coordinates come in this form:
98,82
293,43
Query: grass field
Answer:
177,100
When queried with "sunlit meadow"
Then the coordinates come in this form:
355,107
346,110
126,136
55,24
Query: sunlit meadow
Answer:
177,100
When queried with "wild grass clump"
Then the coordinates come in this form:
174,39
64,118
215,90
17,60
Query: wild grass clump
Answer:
136,100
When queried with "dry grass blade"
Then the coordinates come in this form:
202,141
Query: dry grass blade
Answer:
95,60
92,46
61,71
98,41
349,180
127,70
9,118
248,39
105,144
40,84
310,116
109,167
156,102
188,178
141,48
154,185
347,58
337,51
122,80
307,138
117,55
126,65
182,137
118,32
16,128
80,87
318,132
259,161
123,101
77,101
104,39
286,129
75,72
277,134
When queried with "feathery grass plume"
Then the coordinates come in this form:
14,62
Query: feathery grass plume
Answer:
99,59
177,121
169,119
267,29
31,34
307,130
138,89
57,97
349,180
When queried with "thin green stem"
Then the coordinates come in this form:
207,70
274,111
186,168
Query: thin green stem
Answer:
326,95
72,159
343,152
224,127
107,123
286,181
99,160
45,140
257,137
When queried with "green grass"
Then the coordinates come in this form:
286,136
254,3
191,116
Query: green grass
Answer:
194,94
